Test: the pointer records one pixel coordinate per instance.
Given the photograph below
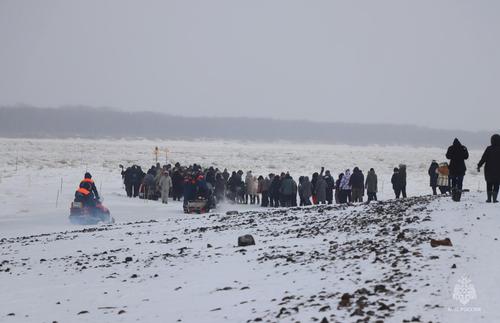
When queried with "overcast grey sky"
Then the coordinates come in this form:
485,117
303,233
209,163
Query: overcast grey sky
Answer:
433,63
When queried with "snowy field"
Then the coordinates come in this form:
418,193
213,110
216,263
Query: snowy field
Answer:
188,268
31,198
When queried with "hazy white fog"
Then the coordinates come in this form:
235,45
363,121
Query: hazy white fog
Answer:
432,63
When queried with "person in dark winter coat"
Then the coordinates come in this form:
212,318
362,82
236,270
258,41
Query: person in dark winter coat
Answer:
149,185
295,191
233,184
305,191
287,191
402,172
371,185
266,186
189,189
210,176
241,189
337,188
225,174
433,176
138,179
202,187
397,182
177,184
152,171
457,154
330,186
320,189
263,189
357,182
491,160
220,187
132,178
314,179
274,191
126,175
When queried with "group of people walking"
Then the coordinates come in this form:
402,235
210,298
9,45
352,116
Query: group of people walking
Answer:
450,177
276,190
273,190
163,182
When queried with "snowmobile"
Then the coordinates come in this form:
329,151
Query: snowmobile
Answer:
88,215
200,206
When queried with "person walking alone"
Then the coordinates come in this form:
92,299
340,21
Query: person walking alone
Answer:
457,154
397,182
491,162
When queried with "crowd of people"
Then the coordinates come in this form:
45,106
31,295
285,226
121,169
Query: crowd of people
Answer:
283,190
272,190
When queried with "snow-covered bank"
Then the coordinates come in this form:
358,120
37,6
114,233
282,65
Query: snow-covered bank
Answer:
305,260
340,263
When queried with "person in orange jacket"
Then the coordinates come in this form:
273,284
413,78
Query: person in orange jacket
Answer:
84,195
88,179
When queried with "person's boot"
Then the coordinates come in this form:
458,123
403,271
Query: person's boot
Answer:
495,197
489,197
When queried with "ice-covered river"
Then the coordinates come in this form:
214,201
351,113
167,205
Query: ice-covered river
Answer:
38,177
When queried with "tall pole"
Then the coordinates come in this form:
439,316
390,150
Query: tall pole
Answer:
157,151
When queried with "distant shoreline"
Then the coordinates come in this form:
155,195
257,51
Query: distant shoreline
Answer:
92,123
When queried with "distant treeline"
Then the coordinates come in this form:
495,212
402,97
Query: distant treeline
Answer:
22,121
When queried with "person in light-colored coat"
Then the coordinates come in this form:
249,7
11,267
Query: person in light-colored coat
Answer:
249,187
345,187
254,191
443,181
165,183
